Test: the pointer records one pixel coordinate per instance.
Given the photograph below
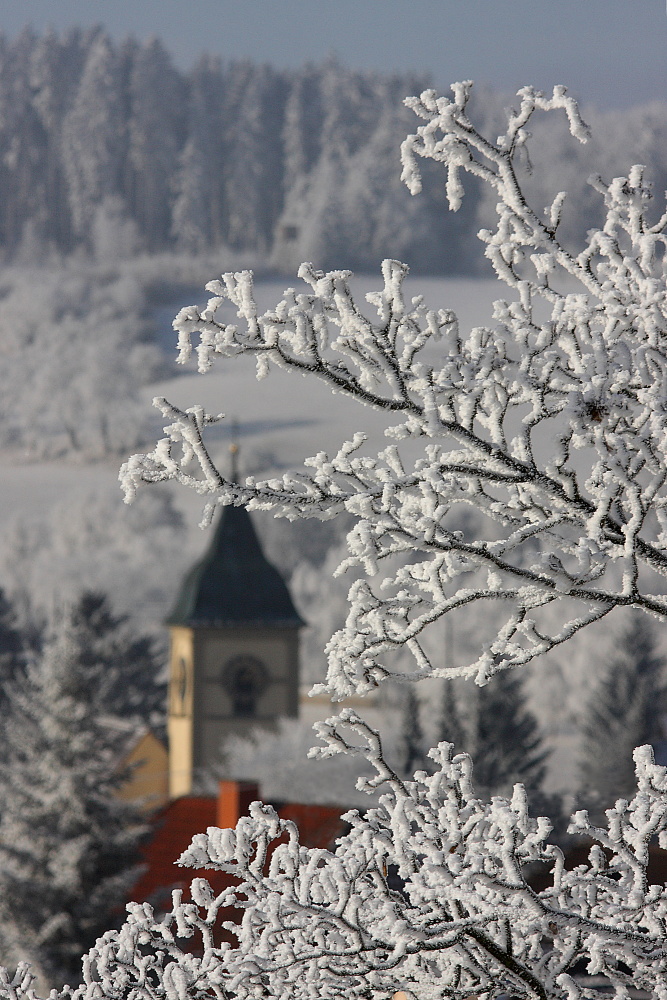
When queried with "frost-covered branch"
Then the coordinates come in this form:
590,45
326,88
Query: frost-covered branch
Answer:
549,424
426,892
539,491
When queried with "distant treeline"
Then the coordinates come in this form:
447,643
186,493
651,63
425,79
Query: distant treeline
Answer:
107,148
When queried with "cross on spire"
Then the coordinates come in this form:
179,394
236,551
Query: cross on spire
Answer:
234,452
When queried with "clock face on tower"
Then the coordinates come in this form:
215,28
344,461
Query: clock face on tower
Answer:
245,678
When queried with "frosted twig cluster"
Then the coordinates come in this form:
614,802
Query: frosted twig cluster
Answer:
427,892
549,423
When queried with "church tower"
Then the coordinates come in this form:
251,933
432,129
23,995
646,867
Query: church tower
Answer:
234,650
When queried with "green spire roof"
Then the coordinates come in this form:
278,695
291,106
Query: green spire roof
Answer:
234,584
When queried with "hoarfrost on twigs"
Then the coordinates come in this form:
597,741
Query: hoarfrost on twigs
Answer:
549,423
552,431
426,892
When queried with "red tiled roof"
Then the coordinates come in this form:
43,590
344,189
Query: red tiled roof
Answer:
319,826
177,823
174,828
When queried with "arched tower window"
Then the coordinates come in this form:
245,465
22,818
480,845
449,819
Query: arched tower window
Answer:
245,678
179,687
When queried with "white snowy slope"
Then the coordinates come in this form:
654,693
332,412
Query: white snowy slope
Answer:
64,525
293,417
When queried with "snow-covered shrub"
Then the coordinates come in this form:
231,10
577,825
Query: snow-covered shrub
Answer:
550,426
88,542
75,353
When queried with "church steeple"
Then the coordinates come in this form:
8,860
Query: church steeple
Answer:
234,583
234,660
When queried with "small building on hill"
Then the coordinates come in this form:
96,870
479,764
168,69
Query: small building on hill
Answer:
233,667
148,783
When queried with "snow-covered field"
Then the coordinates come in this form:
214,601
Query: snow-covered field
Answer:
277,414
295,417
281,420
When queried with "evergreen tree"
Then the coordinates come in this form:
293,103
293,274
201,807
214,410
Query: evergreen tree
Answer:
504,738
55,72
156,126
125,666
12,647
380,215
22,144
624,712
115,236
499,732
227,153
254,105
94,135
67,844
450,727
303,124
314,211
199,213
411,741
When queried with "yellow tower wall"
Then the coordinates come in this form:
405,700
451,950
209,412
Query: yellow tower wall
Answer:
201,712
180,719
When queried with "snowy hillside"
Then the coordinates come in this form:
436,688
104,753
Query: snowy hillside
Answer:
77,521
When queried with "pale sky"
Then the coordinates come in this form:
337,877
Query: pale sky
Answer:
610,52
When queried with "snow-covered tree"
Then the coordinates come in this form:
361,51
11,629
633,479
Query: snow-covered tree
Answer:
55,69
94,135
550,425
115,235
242,154
63,389
198,210
138,559
464,923
22,142
253,188
156,135
550,428
67,844
626,710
